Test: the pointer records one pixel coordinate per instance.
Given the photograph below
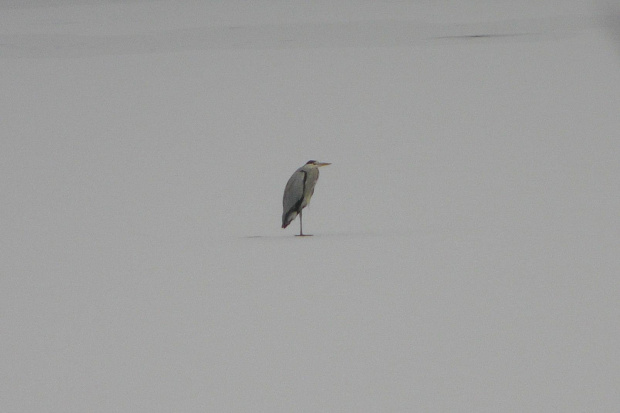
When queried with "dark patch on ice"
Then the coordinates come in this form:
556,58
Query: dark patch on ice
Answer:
486,36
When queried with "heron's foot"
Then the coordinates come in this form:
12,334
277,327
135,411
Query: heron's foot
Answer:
303,235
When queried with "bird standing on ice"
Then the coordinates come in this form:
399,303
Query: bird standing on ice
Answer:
298,191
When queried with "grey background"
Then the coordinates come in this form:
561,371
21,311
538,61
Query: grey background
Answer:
465,255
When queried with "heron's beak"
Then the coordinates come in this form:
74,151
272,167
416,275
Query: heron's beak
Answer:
323,164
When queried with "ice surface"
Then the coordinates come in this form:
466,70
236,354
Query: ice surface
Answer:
465,249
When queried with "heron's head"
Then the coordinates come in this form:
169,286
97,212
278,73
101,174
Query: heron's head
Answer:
317,163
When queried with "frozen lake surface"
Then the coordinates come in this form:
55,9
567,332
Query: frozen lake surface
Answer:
465,254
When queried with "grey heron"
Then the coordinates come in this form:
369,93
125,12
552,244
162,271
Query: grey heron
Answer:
298,191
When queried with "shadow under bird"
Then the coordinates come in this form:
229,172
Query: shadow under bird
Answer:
298,191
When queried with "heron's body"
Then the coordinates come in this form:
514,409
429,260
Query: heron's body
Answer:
298,191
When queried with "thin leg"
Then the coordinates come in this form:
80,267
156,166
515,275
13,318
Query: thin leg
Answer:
301,231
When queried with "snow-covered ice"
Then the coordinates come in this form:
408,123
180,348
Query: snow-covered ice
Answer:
466,245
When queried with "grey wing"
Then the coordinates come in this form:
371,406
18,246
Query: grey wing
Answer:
294,191
293,197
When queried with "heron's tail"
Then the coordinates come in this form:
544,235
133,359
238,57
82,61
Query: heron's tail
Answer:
287,218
